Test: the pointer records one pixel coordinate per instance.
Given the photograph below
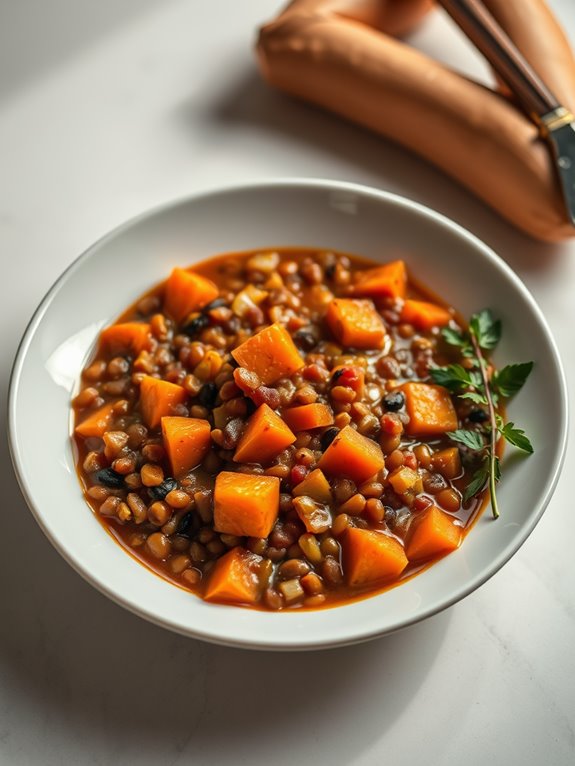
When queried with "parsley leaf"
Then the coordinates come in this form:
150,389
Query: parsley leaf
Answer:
479,480
516,436
508,381
472,439
453,377
486,329
474,396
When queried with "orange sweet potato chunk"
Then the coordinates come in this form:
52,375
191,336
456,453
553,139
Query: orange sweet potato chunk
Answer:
266,435
424,315
125,338
186,292
433,533
355,323
353,456
97,423
430,409
271,354
387,281
369,556
234,578
187,442
245,504
308,416
157,398
316,486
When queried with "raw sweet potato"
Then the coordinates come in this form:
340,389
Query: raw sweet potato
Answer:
97,423
369,556
266,435
431,534
235,578
430,409
125,338
157,399
187,442
352,455
186,292
424,315
316,486
355,323
245,504
271,354
387,281
308,416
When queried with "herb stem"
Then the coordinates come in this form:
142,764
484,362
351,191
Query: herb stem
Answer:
493,435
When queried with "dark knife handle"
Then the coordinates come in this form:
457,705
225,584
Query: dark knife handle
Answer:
493,42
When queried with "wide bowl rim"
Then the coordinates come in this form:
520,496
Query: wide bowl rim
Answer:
260,185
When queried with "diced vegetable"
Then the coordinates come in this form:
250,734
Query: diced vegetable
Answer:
186,292
247,299
157,399
125,338
187,442
235,578
316,486
266,435
369,556
404,479
350,376
245,504
447,462
431,534
308,416
97,423
353,456
387,281
315,516
424,315
430,409
271,354
355,323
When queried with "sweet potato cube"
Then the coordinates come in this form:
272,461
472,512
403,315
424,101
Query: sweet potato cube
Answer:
387,281
271,354
187,442
245,504
369,556
158,398
98,422
353,456
355,323
316,486
424,315
125,338
185,292
266,436
431,534
308,416
235,578
430,409
404,479
447,462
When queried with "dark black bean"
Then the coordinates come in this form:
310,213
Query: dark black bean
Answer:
390,516
330,271
478,416
109,478
208,394
214,305
195,325
327,437
393,401
186,525
337,375
161,490
305,339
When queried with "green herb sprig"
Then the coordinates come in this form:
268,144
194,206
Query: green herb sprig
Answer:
481,388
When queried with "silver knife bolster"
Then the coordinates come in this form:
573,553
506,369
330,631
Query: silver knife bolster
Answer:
554,120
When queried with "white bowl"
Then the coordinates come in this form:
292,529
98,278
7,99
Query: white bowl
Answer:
322,214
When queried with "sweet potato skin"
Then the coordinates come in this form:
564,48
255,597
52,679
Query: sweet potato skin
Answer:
352,455
266,435
370,556
430,409
271,354
245,505
187,442
234,578
432,534
157,398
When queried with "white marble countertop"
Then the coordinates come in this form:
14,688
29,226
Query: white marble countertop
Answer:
105,110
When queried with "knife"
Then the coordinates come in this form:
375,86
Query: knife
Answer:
556,123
